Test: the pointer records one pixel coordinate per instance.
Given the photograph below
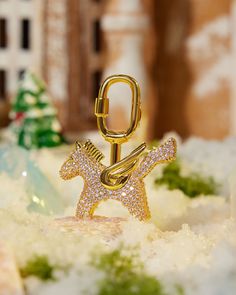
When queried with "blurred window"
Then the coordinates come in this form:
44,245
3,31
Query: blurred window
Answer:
97,36
21,73
3,81
97,75
3,33
25,34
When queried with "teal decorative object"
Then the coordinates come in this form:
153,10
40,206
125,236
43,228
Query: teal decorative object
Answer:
43,197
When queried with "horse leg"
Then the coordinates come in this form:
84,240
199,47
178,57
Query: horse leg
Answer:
138,207
86,205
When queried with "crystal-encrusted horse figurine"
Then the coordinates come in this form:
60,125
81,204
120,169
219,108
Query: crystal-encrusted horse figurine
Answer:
85,161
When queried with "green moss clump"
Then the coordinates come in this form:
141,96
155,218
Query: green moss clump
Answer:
38,266
192,185
180,290
124,275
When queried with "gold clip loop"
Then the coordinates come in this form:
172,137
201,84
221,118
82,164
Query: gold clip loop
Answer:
116,175
101,111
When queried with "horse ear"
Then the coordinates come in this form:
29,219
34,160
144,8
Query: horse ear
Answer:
78,145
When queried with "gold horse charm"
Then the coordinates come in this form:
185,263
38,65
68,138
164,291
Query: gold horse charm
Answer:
123,179
85,161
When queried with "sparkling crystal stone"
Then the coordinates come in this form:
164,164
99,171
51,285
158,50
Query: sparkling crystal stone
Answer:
132,195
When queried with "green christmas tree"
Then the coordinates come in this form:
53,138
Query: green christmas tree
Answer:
34,116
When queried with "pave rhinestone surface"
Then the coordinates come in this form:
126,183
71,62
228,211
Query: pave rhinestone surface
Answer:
133,195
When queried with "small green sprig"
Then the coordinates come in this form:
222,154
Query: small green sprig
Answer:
38,266
124,275
192,185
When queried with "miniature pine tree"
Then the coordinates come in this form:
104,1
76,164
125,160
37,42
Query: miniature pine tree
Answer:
34,117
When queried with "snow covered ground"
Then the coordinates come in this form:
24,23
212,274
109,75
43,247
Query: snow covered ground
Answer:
188,242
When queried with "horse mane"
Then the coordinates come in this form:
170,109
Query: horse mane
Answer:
93,151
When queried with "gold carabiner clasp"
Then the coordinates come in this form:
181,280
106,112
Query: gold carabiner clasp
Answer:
102,110
117,174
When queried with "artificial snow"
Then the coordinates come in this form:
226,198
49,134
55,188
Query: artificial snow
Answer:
188,242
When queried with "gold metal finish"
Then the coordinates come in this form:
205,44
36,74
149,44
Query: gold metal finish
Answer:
108,177
83,161
101,110
102,107
123,179
115,153
116,176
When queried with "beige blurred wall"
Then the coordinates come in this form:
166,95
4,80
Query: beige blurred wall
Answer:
193,67
186,56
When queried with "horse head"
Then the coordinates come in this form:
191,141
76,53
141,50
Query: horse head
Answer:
81,160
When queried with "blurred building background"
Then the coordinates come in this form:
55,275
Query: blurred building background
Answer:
180,51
